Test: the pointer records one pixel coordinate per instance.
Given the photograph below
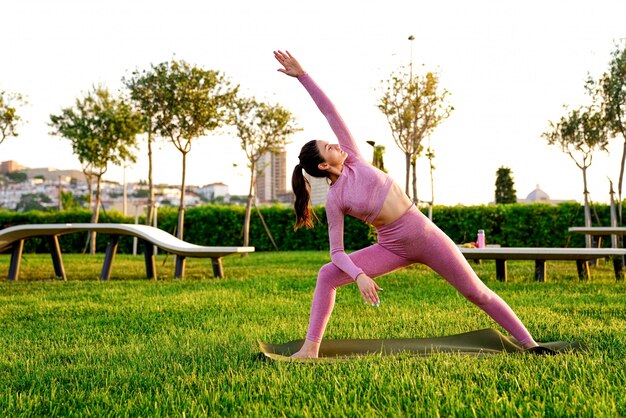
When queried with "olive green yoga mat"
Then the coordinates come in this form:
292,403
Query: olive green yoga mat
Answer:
476,343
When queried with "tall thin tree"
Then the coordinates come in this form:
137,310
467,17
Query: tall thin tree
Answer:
581,132
143,87
505,186
414,106
102,130
189,102
9,117
612,89
261,128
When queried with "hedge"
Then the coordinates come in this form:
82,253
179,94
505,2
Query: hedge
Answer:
510,225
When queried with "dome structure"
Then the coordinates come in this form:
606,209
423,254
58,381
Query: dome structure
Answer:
538,195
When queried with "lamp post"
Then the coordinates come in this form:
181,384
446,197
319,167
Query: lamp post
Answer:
411,39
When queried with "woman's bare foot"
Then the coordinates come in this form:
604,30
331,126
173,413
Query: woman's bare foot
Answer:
309,349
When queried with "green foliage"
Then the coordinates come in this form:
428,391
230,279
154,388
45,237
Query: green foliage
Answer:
101,128
9,118
378,156
181,102
511,225
17,176
32,201
505,187
262,128
414,106
611,88
579,133
71,202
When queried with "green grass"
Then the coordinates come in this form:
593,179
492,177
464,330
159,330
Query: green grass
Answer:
135,347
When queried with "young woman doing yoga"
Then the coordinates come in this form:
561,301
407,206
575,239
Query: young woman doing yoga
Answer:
405,235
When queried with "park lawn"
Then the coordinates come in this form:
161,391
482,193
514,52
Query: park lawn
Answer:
136,347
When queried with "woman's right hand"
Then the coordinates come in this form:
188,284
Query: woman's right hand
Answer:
368,288
291,66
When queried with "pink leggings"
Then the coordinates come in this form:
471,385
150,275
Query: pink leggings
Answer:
413,238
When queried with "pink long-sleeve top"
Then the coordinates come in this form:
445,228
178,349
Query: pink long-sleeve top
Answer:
359,191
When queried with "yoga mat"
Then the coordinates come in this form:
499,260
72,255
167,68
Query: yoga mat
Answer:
475,343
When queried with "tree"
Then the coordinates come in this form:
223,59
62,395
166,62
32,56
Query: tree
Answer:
144,87
69,201
579,134
430,154
102,130
377,156
17,176
612,90
505,187
9,119
262,128
414,106
186,102
33,201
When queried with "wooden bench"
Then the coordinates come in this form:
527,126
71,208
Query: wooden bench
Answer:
582,256
12,239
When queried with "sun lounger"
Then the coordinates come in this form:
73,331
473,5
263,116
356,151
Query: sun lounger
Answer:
13,238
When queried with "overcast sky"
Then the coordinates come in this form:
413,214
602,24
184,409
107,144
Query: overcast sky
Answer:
510,67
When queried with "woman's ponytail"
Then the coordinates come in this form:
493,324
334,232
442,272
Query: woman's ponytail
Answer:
302,189
310,159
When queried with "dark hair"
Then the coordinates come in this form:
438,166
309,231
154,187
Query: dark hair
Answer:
309,158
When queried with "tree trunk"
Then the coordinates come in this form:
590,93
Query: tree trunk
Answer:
150,214
587,210
95,214
89,189
432,191
414,174
181,208
619,184
614,238
407,157
432,184
246,221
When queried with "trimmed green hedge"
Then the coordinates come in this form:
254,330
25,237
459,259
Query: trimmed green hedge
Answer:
510,225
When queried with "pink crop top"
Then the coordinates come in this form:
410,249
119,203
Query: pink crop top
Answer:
359,191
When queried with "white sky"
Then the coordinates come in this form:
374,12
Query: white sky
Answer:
510,66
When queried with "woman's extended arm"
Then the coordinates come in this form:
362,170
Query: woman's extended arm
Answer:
293,68
367,286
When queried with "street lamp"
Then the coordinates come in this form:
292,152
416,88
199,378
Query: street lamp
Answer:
411,38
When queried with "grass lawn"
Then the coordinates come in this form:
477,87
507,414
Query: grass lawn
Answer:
135,347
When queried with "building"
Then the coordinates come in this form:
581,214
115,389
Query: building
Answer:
319,190
271,181
213,191
539,196
10,166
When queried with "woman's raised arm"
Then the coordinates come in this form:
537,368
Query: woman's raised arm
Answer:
292,67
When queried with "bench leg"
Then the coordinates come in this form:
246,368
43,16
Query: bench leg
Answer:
218,270
618,266
540,270
109,257
583,269
501,273
179,271
148,255
16,259
57,260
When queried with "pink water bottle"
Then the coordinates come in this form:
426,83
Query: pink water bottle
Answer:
480,240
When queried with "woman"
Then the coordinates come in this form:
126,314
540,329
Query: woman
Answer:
405,235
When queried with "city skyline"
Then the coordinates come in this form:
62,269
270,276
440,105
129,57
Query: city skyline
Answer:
510,67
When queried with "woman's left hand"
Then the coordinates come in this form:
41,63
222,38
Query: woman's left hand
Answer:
291,66
368,289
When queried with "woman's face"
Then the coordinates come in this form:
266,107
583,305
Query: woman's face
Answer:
332,153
